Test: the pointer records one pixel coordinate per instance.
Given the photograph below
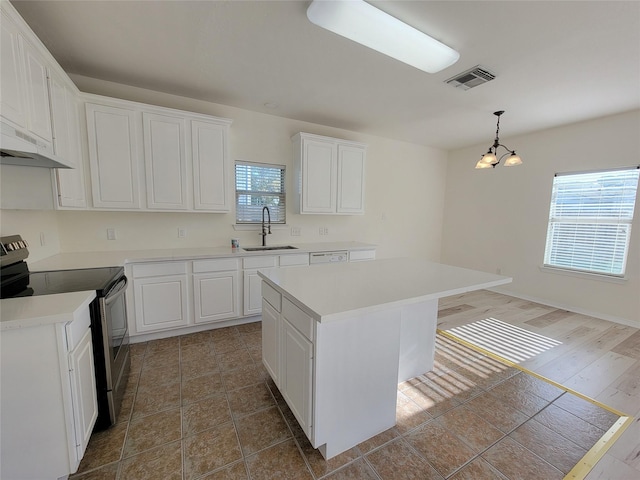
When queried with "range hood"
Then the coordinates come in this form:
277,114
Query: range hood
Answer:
17,148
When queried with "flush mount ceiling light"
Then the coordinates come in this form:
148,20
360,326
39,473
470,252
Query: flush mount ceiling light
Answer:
490,159
373,28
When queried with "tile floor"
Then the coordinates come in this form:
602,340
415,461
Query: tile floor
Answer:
201,406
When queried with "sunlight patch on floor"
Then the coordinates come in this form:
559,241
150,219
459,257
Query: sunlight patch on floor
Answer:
508,341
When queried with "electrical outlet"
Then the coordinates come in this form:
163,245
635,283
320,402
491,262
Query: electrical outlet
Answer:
182,232
295,231
326,230
111,233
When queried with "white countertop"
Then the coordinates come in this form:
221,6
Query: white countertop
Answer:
24,312
67,261
39,310
331,292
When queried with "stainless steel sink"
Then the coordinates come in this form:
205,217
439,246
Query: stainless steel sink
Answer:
274,247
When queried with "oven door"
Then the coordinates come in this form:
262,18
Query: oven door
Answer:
116,343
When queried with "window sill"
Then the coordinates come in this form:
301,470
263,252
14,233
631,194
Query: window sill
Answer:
256,226
585,275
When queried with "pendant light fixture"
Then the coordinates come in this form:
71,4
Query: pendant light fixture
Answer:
365,24
490,159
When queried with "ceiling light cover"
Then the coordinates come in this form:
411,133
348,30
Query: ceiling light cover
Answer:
373,28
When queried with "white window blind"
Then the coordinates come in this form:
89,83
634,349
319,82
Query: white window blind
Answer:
590,221
259,185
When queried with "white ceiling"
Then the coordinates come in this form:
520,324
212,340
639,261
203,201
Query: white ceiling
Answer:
556,62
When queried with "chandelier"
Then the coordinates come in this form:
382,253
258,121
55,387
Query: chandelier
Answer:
490,159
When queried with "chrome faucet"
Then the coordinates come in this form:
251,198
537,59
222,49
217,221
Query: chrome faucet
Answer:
264,231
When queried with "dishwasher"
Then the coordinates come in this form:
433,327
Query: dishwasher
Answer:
328,257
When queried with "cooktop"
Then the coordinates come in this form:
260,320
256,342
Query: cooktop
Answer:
18,281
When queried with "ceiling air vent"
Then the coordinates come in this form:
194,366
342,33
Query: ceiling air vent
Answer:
471,78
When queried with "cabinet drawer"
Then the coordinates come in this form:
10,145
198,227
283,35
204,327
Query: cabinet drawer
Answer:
217,265
359,255
296,259
159,269
259,262
76,329
271,295
297,318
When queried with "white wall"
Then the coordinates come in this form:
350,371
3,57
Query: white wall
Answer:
38,227
496,219
401,179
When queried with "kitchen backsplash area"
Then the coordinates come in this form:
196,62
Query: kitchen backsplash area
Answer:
38,227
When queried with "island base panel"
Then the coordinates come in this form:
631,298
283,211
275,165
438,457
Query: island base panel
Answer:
356,372
417,339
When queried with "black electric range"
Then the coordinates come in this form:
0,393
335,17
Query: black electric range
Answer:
109,327
18,281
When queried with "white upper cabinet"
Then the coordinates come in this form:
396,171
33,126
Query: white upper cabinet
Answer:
211,170
24,89
37,89
329,175
66,143
350,179
319,160
165,161
113,156
12,91
175,160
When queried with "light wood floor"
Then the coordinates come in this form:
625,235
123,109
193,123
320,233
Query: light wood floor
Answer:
594,357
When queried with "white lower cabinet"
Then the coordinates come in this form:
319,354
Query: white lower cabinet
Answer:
48,397
215,290
83,391
271,340
296,374
252,298
288,353
362,255
176,294
161,296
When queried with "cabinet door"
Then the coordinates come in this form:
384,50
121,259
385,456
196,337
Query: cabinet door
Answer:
210,166
215,296
66,143
83,393
296,374
318,176
271,341
252,290
113,156
12,94
165,161
160,303
350,179
37,90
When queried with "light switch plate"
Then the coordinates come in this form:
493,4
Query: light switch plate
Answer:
111,233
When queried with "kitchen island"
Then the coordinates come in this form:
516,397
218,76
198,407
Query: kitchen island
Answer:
338,339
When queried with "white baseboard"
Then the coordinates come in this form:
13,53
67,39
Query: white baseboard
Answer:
571,308
145,337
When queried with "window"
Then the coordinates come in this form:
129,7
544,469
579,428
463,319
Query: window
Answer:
590,221
259,185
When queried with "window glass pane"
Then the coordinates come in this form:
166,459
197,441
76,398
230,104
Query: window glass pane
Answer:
590,221
259,186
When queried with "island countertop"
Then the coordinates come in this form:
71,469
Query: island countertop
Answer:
329,292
